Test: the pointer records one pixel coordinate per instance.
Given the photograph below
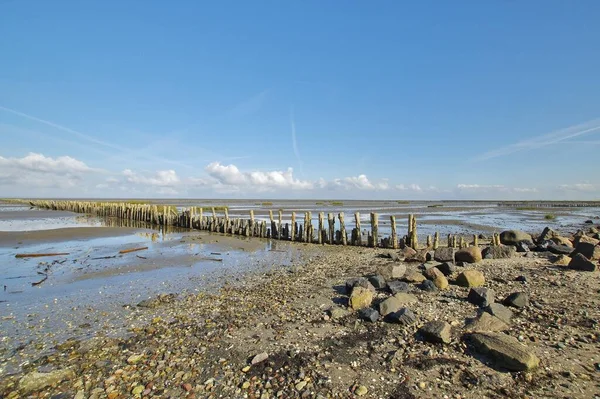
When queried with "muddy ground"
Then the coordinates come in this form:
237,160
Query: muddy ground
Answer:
201,346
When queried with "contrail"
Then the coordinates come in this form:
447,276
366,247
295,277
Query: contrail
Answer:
543,140
294,142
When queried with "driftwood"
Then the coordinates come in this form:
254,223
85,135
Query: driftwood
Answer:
39,255
41,281
105,257
126,251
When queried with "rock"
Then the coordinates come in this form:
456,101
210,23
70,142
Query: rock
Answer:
137,390
436,331
522,279
444,254
499,252
559,249
361,298
377,281
580,262
546,235
358,282
561,260
392,271
500,311
261,357
587,249
437,277
486,322
368,314
35,381
135,359
562,241
338,312
428,286
522,246
412,276
481,296
420,256
506,351
397,286
589,221
470,278
404,316
361,391
512,237
391,255
446,268
407,252
584,238
394,303
517,300
468,255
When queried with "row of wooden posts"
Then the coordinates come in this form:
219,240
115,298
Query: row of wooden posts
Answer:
196,218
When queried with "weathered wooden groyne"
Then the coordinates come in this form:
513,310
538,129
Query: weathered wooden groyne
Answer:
300,229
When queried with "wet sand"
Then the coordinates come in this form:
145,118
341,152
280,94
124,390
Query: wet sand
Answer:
19,238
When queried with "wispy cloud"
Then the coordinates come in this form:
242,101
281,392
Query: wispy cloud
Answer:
250,105
294,140
543,140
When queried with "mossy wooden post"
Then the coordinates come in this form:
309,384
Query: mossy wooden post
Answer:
475,240
462,242
449,240
429,243
344,236
414,240
320,234
272,220
309,231
251,226
409,230
227,221
453,241
374,229
394,237
436,240
294,227
331,223
280,232
358,231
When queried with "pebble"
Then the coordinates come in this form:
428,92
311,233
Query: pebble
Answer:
361,390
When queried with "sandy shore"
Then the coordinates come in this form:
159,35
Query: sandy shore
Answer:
200,346
13,238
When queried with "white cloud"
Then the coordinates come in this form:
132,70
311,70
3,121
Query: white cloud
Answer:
39,171
162,178
230,175
578,187
412,187
525,190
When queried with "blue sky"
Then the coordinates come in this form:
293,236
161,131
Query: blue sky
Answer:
312,99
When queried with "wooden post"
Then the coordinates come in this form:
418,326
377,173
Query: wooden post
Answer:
343,228
394,236
475,240
251,226
309,231
320,234
436,240
358,231
414,240
374,229
280,233
294,227
227,221
331,222
429,243
449,240
273,226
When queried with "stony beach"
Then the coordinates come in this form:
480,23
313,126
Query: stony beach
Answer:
349,322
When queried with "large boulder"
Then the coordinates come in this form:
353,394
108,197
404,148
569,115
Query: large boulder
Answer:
438,278
517,300
358,282
499,252
513,237
468,255
561,260
587,249
481,296
470,278
584,238
546,235
361,298
394,303
392,271
580,262
404,316
558,249
377,281
500,311
397,286
486,322
562,241
507,352
444,254
413,276
368,314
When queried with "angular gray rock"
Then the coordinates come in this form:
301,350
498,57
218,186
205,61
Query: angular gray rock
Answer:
513,237
446,268
397,286
580,262
517,300
444,254
500,311
499,252
395,303
404,316
481,296
436,331
505,351
428,286
392,271
486,322
587,249
546,235
358,282
559,249
378,281
368,314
